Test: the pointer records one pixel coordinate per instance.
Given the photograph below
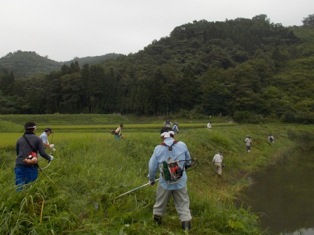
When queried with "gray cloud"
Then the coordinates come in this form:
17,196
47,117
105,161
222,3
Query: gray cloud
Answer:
64,29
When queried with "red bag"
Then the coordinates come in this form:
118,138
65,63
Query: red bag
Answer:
31,159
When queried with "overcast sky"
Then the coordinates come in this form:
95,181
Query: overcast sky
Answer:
64,29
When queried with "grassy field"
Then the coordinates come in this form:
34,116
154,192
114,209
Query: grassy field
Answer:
76,193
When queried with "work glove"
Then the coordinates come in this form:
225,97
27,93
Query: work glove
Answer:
187,167
151,182
51,158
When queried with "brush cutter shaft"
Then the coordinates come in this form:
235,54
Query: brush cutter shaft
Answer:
194,163
142,186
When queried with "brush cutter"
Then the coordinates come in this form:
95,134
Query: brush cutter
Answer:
49,162
193,164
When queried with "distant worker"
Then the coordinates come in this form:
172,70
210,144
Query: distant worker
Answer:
26,163
248,142
175,128
167,123
171,157
209,125
217,161
271,138
44,137
118,132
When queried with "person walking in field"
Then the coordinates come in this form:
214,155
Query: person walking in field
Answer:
171,157
217,161
44,137
118,132
209,125
175,128
168,123
248,142
271,138
26,163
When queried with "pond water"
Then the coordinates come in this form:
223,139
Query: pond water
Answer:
283,196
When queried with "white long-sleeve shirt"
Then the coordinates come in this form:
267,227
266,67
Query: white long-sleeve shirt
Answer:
248,141
217,158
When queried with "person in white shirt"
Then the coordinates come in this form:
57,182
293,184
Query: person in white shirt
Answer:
209,125
175,128
44,138
167,123
217,161
271,138
248,142
118,132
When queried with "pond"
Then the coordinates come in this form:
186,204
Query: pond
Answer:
283,195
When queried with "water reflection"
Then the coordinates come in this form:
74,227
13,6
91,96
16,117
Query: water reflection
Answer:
283,195
301,232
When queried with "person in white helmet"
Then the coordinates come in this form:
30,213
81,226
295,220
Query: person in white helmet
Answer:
171,157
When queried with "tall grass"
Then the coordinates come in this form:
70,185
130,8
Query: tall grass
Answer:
76,193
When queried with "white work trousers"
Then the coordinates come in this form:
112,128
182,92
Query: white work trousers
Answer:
181,201
218,167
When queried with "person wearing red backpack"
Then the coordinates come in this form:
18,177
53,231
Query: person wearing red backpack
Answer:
27,147
171,157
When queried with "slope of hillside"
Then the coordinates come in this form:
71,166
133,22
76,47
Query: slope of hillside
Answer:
93,59
78,193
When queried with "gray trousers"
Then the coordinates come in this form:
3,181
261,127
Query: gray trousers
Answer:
181,201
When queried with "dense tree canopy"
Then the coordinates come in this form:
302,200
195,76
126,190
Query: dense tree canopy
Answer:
246,68
309,21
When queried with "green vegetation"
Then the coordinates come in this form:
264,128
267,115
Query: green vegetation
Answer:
75,195
27,64
247,69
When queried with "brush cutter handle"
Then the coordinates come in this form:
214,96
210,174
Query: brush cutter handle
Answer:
194,163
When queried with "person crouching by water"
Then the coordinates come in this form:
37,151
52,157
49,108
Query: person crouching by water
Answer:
217,161
172,158
118,132
26,165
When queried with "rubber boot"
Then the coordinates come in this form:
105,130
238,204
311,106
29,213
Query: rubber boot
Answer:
186,225
157,219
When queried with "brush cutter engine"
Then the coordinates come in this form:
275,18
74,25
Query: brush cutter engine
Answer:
31,159
171,171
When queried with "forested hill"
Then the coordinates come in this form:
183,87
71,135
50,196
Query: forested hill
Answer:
203,45
91,60
25,64
249,69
